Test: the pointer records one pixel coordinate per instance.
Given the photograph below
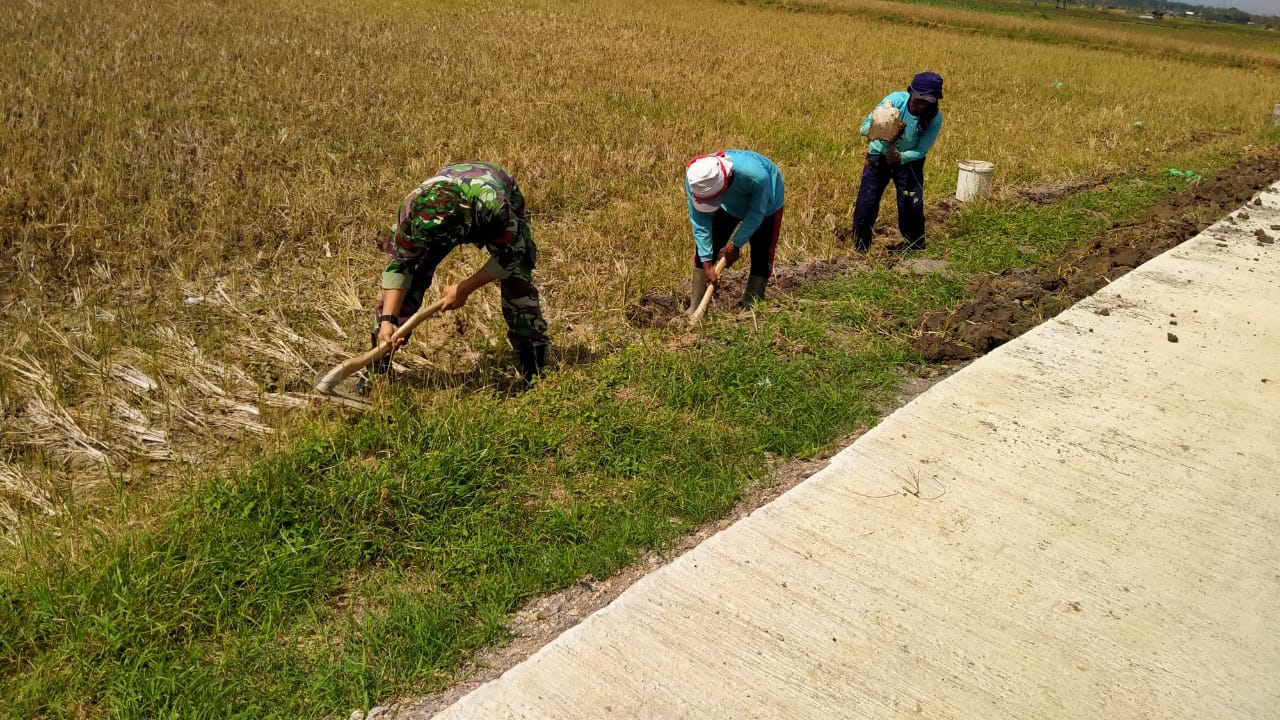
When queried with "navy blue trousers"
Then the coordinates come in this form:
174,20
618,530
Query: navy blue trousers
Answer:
908,180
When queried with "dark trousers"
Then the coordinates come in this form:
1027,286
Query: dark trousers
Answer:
908,180
762,244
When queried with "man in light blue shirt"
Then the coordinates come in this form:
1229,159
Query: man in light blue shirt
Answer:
901,160
734,189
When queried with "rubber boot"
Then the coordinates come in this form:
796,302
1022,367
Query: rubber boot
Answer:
861,245
532,359
754,291
698,283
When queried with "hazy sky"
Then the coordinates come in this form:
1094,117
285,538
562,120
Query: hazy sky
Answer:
1266,7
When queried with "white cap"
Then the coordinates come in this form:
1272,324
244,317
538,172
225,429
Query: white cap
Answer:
708,178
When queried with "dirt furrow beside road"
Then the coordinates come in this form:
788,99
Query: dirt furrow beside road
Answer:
1002,306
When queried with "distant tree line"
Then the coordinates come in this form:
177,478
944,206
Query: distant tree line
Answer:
1230,15
1226,15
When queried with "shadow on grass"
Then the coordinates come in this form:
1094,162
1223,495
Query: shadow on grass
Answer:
495,370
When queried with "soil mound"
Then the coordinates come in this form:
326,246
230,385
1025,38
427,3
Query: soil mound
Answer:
657,309
1005,305
1045,194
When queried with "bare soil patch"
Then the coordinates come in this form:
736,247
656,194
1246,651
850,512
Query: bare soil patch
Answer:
1003,306
662,308
1045,194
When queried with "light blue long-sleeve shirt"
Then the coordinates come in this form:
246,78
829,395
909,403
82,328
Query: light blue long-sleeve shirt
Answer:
913,145
755,193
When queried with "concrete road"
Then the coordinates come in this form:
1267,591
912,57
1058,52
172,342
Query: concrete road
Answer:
1082,524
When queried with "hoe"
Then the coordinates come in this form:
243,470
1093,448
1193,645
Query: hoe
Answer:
706,297
327,382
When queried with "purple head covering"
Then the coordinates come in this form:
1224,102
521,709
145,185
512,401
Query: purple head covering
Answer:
926,86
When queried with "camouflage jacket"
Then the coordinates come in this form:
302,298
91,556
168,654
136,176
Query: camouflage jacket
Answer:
474,202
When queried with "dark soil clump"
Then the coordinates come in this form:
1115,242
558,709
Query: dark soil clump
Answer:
655,310
1005,305
658,309
1045,194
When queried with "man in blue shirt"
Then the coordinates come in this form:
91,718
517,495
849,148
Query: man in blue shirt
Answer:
734,189
902,161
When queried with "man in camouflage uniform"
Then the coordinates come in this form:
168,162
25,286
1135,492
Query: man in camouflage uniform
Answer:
476,203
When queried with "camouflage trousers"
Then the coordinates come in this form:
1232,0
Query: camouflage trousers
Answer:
521,302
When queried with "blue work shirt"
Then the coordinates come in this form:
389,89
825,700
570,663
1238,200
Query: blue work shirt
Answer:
755,192
914,144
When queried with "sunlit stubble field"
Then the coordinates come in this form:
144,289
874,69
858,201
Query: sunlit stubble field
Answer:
194,195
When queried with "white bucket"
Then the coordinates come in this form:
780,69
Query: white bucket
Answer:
974,181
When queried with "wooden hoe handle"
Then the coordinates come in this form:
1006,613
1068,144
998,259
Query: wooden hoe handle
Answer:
326,382
706,296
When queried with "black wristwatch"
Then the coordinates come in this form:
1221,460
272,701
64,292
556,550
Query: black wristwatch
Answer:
393,319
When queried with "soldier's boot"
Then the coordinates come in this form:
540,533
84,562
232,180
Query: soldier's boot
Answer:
532,359
754,291
698,283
